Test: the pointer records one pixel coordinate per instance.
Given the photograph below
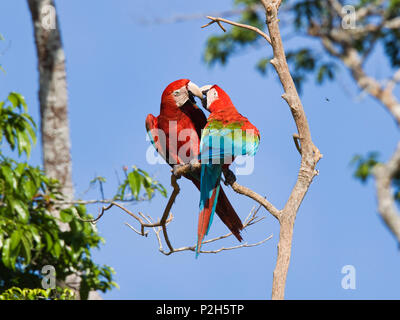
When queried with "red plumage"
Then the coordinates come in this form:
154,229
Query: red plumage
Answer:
222,109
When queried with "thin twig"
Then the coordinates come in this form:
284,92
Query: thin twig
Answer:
240,25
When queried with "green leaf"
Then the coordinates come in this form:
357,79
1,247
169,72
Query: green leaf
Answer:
31,132
26,249
135,179
20,208
49,241
17,100
9,133
364,165
9,176
15,239
56,249
162,190
29,188
67,215
35,233
24,144
13,99
5,254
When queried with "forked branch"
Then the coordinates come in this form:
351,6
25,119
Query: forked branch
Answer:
167,217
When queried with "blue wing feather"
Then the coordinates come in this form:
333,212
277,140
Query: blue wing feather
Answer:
220,144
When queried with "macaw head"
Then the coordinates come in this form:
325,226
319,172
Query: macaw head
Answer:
215,98
179,92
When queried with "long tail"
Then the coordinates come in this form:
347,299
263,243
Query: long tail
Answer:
209,190
224,210
228,215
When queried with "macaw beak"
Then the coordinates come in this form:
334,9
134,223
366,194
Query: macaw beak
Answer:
194,90
204,90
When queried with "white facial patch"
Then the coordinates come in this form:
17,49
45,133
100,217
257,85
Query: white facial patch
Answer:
181,96
212,95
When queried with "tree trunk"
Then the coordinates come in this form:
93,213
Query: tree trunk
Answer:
53,98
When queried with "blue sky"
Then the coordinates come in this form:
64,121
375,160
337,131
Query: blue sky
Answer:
117,68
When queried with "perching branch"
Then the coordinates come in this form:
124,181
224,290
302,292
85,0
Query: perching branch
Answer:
230,179
167,217
310,154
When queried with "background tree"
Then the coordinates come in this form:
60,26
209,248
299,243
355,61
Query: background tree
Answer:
349,33
41,226
53,98
30,236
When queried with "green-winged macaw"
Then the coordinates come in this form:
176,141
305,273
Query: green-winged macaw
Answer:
226,135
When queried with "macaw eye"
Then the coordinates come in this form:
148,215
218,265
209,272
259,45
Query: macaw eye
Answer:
176,93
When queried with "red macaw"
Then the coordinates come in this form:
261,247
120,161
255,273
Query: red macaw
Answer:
179,116
226,135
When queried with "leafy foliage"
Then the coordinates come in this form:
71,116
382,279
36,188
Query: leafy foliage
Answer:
392,37
220,48
305,61
16,124
16,293
136,180
364,165
30,236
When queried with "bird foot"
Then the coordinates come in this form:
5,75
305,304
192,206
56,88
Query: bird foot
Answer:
230,177
176,170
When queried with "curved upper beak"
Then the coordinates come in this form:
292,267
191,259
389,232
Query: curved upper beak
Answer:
194,89
204,90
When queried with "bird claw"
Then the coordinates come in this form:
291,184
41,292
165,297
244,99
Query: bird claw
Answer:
193,164
176,168
230,178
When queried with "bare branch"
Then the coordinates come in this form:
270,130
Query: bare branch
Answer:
230,179
240,25
251,219
167,217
